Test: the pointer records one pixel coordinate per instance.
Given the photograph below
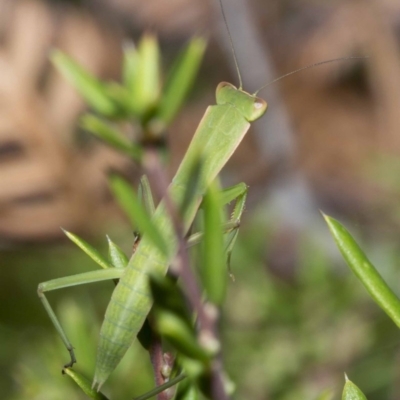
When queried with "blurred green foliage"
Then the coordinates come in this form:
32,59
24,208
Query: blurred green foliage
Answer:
282,339
141,98
290,339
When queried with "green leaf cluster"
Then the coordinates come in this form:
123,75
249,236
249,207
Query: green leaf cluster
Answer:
140,97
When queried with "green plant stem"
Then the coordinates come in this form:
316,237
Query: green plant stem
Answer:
161,388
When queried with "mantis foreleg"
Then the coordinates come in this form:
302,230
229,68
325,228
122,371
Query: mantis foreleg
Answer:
231,228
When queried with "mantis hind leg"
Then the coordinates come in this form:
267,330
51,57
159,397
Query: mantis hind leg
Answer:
74,280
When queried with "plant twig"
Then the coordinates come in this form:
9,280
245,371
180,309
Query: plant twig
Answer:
207,314
157,361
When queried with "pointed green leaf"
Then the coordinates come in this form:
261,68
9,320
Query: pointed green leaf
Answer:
364,270
88,86
176,331
110,135
135,211
145,87
181,79
88,249
117,256
131,79
84,384
352,392
213,269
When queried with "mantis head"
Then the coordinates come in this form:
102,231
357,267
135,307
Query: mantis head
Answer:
250,106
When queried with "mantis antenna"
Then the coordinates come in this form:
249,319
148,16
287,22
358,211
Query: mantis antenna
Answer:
283,76
232,46
307,67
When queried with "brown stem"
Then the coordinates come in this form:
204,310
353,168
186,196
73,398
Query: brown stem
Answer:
207,315
157,361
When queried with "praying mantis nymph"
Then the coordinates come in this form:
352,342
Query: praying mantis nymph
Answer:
217,136
219,133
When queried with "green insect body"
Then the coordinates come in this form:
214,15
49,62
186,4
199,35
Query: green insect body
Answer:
217,136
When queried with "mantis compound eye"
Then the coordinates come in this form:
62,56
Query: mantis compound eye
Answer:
259,108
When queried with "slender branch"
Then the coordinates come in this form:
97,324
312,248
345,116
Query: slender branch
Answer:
207,314
157,361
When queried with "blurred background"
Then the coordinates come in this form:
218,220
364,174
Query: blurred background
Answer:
296,319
